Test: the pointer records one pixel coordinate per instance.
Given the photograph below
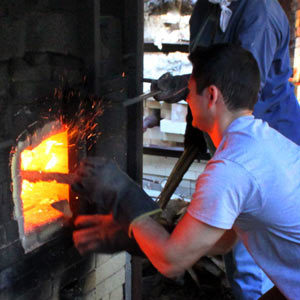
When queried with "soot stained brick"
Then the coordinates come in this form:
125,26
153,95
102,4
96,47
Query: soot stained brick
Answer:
23,71
12,37
12,232
10,254
56,33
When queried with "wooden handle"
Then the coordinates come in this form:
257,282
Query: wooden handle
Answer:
185,160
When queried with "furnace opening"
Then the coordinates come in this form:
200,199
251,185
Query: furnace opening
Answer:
38,164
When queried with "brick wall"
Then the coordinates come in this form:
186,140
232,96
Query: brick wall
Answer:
107,280
41,42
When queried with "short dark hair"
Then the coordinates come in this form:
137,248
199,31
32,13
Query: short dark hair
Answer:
232,69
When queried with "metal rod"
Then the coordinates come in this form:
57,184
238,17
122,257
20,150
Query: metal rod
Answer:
35,176
148,80
140,98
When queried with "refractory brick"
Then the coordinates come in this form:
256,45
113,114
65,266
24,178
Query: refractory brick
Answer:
110,284
12,38
111,267
56,33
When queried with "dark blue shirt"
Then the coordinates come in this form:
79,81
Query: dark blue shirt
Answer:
261,27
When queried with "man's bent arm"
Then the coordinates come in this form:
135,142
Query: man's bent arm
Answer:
173,254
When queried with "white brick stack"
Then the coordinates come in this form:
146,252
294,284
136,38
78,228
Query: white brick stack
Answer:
107,281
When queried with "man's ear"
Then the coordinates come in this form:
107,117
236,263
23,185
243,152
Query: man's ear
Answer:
214,94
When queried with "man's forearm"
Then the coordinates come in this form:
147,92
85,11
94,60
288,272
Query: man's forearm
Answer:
153,239
173,254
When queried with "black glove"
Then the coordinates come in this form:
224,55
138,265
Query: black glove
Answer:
99,233
172,88
112,191
192,135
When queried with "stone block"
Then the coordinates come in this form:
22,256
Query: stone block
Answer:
73,77
34,58
67,68
41,292
102,258
117,294
57,5
27,92
89,282
178,112
4,188
17,8
173,127
110,284
106,297
12,37
4,77
90,296
6,210
111,267
3,11
56,33
110,46
67,62
12,232
10,254
2,236
23,71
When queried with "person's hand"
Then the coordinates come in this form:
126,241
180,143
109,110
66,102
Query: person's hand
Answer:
172,88
150,122
112,191
100,233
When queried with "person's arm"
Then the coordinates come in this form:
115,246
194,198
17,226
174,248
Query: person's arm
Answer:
191,239
256,34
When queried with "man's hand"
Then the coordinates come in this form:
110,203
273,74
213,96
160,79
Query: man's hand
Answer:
100,233
112,191
172,88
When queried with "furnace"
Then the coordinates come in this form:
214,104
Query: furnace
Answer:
38,163
56,55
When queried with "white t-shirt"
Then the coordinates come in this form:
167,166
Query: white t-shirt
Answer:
252,184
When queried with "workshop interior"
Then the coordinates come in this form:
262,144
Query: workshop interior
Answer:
72,86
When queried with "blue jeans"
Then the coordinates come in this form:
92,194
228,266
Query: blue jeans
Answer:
247,280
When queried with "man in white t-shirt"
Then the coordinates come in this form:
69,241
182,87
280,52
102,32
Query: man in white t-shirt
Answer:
250,188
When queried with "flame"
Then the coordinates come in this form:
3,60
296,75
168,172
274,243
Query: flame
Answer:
51,155
37,199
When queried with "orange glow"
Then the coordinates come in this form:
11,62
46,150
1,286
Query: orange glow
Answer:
37,199
50,156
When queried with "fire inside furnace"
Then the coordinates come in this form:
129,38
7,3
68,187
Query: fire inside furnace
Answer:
40,166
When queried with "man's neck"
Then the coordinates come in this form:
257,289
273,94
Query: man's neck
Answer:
220,126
